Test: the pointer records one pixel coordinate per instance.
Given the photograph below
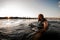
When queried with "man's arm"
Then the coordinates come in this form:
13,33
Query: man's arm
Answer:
45,25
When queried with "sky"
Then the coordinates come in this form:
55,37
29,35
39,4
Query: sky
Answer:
29,8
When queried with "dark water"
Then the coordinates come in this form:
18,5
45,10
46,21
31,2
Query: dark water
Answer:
17,29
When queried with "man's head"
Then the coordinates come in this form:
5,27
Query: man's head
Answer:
40,17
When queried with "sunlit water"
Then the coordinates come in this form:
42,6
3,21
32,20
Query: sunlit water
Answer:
19,27
8,26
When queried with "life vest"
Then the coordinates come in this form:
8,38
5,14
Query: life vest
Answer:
40,24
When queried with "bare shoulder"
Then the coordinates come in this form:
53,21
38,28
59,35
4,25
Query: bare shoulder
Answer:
46,22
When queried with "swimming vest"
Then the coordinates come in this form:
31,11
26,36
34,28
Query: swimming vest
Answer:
40,24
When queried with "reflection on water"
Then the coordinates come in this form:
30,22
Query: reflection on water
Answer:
10,25
20,27
11,22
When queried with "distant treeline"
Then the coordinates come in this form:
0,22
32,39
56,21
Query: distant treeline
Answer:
25,18
17,18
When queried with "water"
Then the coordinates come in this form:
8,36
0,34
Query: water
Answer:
14,28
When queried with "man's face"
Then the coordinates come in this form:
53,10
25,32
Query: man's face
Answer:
39,17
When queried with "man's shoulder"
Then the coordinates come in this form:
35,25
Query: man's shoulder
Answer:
44,19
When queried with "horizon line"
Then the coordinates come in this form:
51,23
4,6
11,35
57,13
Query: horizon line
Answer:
27,18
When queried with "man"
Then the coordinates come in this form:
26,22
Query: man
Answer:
43,25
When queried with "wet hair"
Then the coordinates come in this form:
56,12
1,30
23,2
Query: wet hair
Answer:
40,15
